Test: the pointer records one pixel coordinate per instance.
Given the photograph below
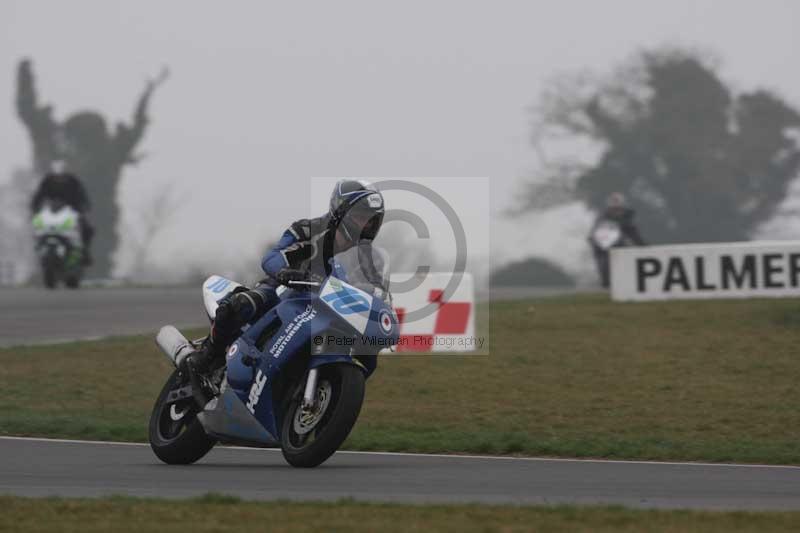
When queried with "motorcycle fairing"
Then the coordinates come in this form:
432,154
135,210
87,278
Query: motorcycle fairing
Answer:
58,239
227,416
327,359
252,370
298,322
607,234
352,304
215,288
62,222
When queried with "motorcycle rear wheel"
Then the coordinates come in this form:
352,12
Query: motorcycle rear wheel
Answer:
343,384
176,436
49,277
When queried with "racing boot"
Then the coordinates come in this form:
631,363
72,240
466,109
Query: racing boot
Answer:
197,365
203,359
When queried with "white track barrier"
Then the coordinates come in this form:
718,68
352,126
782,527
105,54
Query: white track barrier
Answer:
706,271
451,328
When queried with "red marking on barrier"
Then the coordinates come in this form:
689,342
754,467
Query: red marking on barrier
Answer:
452,318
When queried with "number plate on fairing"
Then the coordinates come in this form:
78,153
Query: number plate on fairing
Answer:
350,303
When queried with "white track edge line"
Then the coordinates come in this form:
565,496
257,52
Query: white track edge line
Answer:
437,455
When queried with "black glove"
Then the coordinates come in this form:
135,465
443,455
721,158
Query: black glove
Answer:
290,274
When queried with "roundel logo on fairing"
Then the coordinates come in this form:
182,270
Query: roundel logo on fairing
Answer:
386,322
232,350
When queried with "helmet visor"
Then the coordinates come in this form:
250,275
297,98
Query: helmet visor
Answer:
364,218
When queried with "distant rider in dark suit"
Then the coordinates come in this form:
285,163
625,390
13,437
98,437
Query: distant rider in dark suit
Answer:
614,228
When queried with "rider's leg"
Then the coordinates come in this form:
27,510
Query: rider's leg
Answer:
233,312
602,262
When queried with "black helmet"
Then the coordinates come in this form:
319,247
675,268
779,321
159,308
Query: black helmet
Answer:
357,208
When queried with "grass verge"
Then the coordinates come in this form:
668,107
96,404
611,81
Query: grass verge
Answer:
578,376
222,513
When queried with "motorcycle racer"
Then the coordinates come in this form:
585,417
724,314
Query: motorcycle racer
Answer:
67,189
614,228
354,218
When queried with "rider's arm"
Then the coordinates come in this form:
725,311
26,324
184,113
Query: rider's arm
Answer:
635,236
291,251
631,231
36,201
81,198
276,259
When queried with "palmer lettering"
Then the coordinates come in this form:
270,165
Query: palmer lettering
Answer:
747,271
794,269
752,271
646,267
771,268
676,275
700,275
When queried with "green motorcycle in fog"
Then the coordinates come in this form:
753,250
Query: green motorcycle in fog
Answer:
59,246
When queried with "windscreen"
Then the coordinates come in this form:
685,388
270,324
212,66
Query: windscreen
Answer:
366,267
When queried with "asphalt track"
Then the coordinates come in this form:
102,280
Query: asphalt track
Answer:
39,467
36,316
40,316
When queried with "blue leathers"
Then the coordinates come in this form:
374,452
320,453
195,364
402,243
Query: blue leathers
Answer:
298,254
301,248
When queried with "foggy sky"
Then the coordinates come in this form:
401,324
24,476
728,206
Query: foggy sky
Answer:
263,96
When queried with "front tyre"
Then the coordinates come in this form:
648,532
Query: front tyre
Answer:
308,438
176,436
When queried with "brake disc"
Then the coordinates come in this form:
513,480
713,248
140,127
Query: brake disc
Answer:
176,415
306,419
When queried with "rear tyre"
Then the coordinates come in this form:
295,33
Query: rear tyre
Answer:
176,436
49,277
308,439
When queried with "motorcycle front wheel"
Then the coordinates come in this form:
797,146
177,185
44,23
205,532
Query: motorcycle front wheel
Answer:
176,436
309,437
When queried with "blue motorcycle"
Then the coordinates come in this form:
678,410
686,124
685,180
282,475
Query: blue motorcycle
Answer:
294,379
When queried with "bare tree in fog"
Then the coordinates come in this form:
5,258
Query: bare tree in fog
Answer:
151,218
87,148
699,162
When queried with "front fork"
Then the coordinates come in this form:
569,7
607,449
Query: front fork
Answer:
310,393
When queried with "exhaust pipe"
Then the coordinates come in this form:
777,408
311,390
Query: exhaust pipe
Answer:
174,344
